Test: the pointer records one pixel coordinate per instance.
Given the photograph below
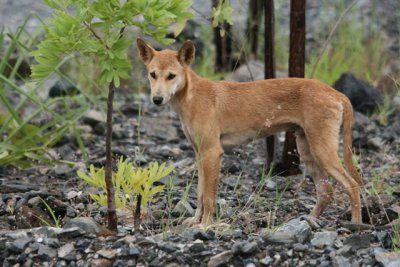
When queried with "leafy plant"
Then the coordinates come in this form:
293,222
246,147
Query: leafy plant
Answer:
94,30
25,135
129,183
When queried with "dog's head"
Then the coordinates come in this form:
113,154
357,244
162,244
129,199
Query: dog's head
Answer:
166,69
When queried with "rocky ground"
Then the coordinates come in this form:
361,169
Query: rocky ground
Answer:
262,219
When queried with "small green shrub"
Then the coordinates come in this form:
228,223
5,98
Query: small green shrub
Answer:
129,182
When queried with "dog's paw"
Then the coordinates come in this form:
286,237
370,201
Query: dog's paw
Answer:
192,221
314,222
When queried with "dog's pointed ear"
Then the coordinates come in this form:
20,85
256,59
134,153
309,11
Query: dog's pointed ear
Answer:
186,53
146,52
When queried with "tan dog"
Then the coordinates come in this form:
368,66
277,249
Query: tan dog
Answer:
216,114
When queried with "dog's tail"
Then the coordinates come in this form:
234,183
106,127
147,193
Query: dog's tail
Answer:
347,141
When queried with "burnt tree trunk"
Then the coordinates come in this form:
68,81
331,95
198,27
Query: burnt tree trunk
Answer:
223,45
290,159
253,25
269,65
111,209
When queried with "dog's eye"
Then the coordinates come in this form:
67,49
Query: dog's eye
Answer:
171,76
153,75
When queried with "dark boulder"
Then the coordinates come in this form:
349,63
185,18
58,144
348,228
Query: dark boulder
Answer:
364,97
63,88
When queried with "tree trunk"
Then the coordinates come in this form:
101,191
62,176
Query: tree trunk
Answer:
223,46
269,66
254,20
111,210
290,160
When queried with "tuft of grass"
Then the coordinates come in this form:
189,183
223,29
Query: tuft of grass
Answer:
396,237
349,50
56,220
30,122
383,111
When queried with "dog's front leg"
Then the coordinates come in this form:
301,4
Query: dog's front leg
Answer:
208,162
196,219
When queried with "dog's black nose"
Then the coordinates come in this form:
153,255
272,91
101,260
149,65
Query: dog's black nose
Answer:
158,100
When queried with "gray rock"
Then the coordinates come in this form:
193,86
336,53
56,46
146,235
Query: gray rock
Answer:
183,208
72,194
385,238
70,213
395,103
300,247
52,242
17,234
299,228
46,252
46,231
253,70
345,250
326,238
387,259
93,117
358,241
197,247
107,253
19,245
100,128
71,232
83,244
87,224
280,238
393,212
100,263
134,252
375,143
220,259
244,248
340,261
276,183
80,206
267,261
67,252
62,169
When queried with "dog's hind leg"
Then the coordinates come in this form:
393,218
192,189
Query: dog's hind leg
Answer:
323,143
323,188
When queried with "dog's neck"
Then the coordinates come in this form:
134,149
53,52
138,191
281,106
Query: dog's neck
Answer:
185,95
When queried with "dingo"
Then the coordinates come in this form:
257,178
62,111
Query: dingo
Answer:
217,114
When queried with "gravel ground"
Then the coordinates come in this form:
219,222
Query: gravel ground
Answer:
256,227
